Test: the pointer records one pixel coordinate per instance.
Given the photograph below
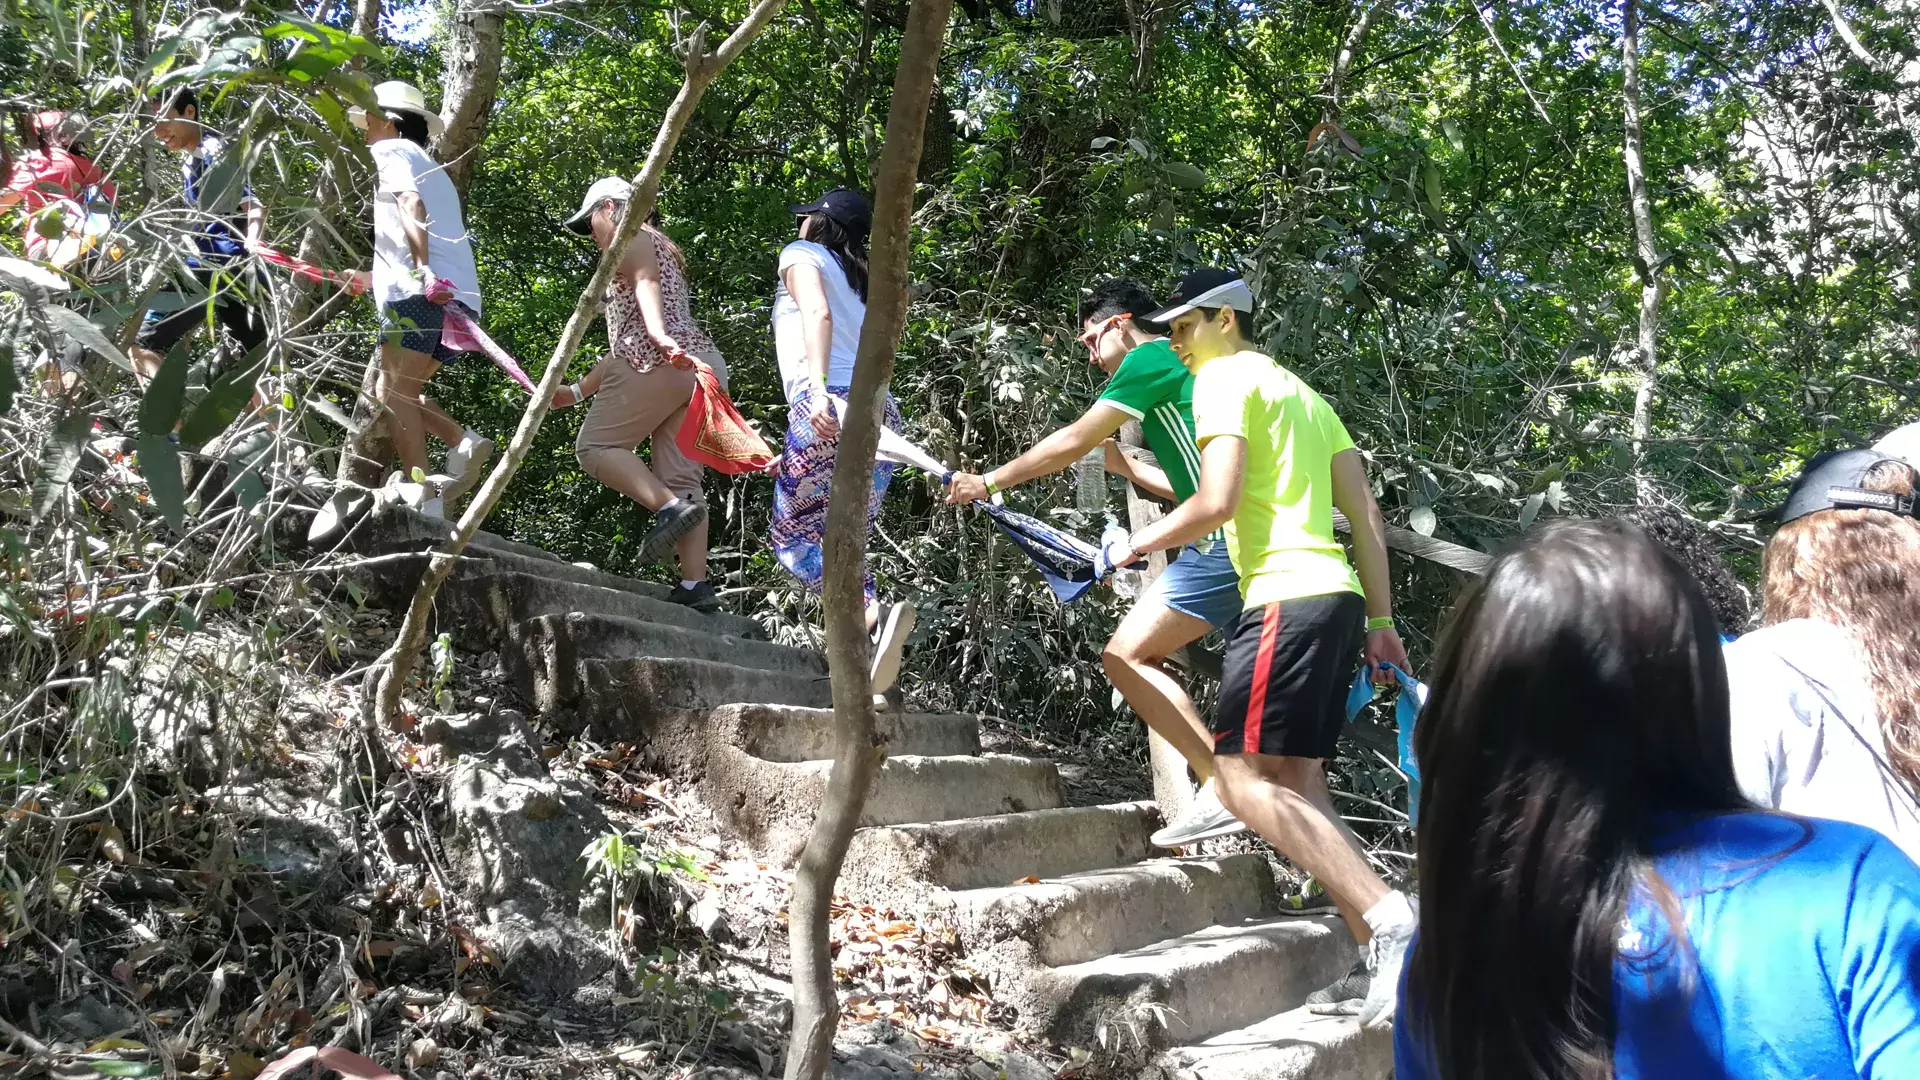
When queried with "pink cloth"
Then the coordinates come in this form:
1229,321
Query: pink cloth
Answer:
459,332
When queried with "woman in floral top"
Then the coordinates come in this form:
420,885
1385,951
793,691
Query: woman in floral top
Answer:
641,389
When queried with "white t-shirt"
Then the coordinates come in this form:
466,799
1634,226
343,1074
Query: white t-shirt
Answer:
404,166
789,335
1806,731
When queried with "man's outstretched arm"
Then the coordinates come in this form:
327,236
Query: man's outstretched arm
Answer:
1223,476
1048,456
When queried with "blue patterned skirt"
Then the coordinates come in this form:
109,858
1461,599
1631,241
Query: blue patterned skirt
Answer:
801,489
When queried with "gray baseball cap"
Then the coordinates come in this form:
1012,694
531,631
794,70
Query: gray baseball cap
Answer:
607,187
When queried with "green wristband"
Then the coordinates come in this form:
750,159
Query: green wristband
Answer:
1379,622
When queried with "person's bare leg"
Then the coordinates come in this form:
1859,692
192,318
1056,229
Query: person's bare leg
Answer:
1135,659
146,364
439,424
402,373
624,472
1286,801
692,552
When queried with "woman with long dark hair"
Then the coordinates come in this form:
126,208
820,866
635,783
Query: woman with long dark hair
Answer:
818,310
1598,899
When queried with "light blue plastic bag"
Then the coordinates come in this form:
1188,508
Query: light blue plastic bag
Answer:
1413,697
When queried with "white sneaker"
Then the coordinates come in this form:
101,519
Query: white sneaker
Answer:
1204,820
888,644
466,463
1386,955
434,507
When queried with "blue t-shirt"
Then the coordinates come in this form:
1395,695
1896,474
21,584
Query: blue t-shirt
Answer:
1805,959
218,236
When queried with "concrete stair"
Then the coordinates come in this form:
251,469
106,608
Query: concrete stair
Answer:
1082,927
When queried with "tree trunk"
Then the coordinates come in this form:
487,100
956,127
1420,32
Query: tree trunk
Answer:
470,80
858,752
1335,82
702,67
1646,254
364,453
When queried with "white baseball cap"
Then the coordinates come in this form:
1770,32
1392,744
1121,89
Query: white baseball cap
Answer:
1902,443
403,97
607,187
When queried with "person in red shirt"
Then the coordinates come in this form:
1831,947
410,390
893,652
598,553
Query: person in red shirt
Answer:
54,171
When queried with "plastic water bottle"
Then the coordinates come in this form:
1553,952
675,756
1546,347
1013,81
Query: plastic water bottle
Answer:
1090,482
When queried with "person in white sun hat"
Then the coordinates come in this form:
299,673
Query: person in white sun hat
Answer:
419,243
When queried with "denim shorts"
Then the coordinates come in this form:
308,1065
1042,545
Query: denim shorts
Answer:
1202,584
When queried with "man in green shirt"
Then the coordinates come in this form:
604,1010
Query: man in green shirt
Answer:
1274,463
1199,591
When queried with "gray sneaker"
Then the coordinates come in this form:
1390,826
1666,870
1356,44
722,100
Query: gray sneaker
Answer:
673,521
1346,995
1205,819
1386,955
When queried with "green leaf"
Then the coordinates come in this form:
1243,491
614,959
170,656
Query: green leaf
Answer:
123,1068
1185,175
1452,131
1140,148
221,598
1423,520
160,464
1105,141
75,325
1532,508
160,405
1436,195
225,398
9,379
58,458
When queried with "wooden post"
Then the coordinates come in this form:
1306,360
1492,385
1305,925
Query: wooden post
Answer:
1172,790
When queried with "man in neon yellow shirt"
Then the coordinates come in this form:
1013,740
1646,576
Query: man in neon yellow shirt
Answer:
1199,592
1274,463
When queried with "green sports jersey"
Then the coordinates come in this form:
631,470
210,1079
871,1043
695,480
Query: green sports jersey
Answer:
1155,388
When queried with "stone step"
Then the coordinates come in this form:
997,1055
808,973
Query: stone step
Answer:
402,530
483,601
979,852
1084,916
550,648
1294,1045
1189,988
626,698
914,789
792,733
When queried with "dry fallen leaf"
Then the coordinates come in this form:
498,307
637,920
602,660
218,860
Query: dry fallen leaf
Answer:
422,1054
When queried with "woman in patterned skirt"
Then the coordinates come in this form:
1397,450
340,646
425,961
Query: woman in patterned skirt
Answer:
818,310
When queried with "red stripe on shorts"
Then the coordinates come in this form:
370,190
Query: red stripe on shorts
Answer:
1262,667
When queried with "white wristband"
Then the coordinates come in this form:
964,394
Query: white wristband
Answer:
577,395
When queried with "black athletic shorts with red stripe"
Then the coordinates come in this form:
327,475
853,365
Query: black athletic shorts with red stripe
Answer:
1284,685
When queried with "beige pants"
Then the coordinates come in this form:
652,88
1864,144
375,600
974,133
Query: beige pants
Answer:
632,407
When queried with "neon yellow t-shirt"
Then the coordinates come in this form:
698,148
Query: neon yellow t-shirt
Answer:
1281,539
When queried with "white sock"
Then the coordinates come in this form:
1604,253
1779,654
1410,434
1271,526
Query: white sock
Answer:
685,584
468,435
1391,912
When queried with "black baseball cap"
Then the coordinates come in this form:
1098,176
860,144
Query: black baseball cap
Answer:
847,207
1832,481
1209,288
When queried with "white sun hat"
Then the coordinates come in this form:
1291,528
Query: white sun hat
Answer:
404,97
607,187
1903,443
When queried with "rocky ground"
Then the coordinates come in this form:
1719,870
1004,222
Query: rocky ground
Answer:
294,881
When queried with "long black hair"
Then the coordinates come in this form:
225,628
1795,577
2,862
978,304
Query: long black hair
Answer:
849,249
411,126
1579,697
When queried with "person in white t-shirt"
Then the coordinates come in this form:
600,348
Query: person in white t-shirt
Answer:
1826,694
419,242
818,310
